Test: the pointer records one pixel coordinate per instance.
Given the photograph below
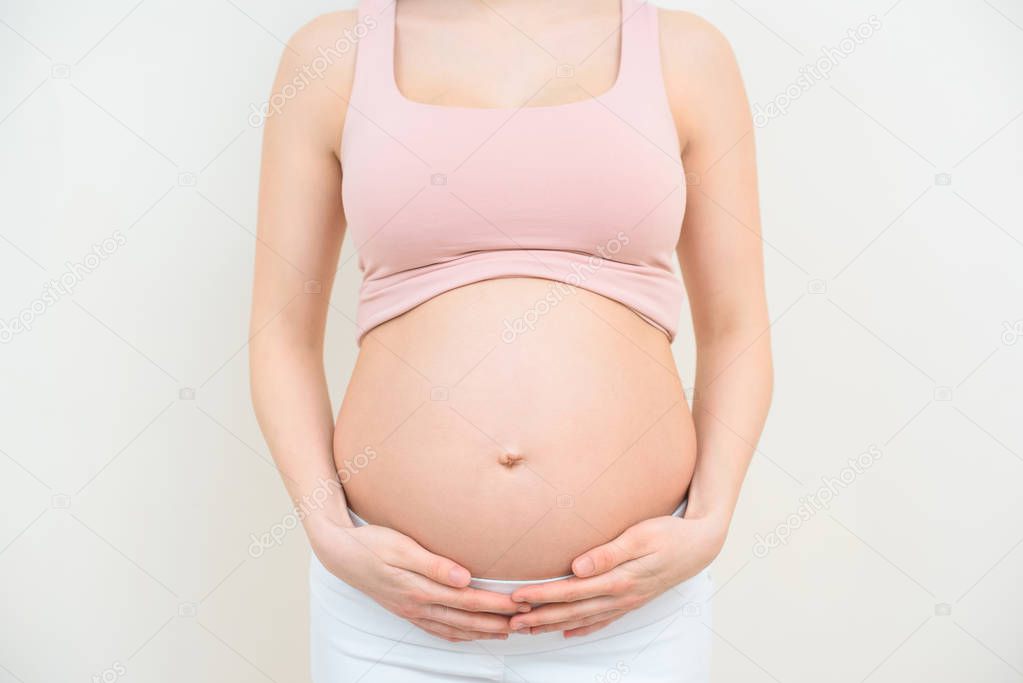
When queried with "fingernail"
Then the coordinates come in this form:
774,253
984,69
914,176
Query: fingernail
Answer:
518,599
525,608
458,575
584,567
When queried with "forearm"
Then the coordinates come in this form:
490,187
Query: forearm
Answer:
731,399
289,392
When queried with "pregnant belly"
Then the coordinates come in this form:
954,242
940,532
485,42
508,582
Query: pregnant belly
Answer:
512,424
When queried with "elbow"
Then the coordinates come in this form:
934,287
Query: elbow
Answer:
278,353
258,372
743,347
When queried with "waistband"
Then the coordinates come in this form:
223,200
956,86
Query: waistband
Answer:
342,617
508,586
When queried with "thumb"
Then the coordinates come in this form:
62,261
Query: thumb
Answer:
606,557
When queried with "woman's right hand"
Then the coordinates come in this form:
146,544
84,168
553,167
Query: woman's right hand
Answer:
428,590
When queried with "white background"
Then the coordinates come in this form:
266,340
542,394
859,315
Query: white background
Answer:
126,507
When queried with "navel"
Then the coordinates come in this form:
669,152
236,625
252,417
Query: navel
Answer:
510,459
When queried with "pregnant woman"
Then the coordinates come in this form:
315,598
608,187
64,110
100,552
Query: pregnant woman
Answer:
515,486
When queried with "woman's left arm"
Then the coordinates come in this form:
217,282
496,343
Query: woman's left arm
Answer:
721,255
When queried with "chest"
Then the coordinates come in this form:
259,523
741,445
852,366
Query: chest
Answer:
492,64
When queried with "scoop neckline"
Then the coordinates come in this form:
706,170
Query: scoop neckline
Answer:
588,101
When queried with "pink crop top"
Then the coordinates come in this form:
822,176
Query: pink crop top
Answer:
590,193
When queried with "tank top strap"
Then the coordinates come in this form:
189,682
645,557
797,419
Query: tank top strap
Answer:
374,59
640,46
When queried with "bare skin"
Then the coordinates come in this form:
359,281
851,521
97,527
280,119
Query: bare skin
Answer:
548,451
476,59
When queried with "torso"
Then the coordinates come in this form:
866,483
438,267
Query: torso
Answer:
507,434
512,457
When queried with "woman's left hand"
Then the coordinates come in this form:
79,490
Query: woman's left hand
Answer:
610,580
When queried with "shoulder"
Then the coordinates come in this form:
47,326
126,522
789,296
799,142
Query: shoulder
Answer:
331,37
326,28
690,41
315,75
701,76
322,52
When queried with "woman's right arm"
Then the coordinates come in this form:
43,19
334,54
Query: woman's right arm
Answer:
299,234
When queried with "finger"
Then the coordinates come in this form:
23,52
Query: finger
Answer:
586,630
579,623
563,612
628,546
570,590
416,558
467,621
452,634
449,634
475,600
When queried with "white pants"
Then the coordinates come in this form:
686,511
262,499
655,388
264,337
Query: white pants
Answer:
354,639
